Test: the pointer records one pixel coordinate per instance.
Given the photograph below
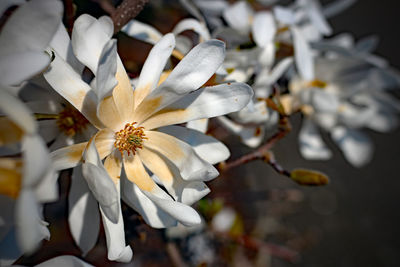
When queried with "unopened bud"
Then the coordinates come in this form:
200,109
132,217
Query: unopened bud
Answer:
309,177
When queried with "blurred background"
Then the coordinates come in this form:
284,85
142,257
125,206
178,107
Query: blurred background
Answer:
353,221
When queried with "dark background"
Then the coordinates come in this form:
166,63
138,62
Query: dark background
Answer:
357,214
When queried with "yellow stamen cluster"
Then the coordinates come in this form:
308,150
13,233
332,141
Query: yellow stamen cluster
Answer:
317,83
70,121
129,139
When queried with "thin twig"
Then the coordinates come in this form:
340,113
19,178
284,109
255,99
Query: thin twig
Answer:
126,11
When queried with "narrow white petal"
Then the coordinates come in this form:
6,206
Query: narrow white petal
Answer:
192,72
31,230
106,70
142,31
89,36
153,67
194,25
84,216
117,250
18,67
355,145
251,136
200,125
183,156
100,183
239,16
311,144
206,146
302,55
36,160
17,112
206,102
31,27
70,85
263,28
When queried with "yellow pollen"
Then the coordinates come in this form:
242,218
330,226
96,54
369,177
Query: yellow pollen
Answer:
317,83
129,139
70,121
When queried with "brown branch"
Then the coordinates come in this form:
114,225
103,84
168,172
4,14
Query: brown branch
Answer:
126,11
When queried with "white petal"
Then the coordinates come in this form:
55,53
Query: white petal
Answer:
311,144
106,70
89,36
255,113
206,102
302,55
336,7
263,28
100,183
206,146
152,214
36,160
17,112
31,230
194,25
383,121
115,236
136,173
18,67
84,217
64,261
69,84
184,157
200,125
47,189
266,77
181,212
61,43
142,31
356,146
323,101
284,15
317,18
238,16
165,173
153,67
31,27
251,136
192,72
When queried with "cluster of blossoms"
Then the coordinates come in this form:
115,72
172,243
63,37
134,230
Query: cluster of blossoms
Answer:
67,102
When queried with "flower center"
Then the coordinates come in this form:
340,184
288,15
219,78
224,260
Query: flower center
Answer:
70,121
129,139
317,83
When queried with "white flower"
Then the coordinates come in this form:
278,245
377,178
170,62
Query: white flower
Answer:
345,96
134,134
30,181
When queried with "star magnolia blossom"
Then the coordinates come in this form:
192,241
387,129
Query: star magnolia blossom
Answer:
27,182
343,99
133,133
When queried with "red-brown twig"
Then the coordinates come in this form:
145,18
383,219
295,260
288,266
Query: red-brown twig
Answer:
126,11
